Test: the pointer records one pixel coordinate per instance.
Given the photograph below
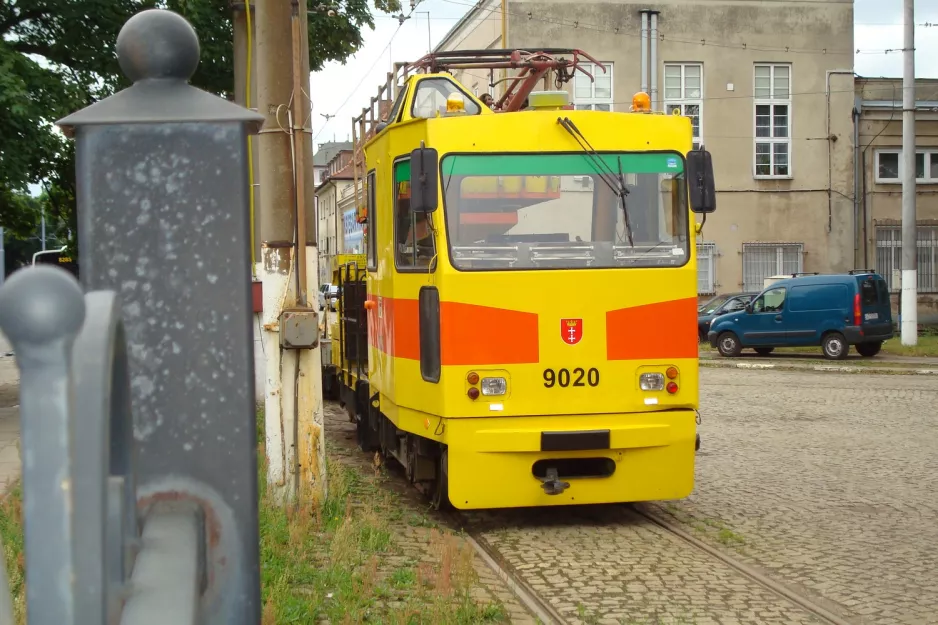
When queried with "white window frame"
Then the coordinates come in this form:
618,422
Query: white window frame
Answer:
749,280
591,102
889,256
681,103
930,156
707,252
771,101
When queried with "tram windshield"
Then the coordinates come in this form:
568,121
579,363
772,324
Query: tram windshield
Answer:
564,211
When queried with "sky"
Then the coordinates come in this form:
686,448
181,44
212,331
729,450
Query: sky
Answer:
342,90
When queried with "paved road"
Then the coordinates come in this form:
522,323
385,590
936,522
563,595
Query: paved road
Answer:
822,481
9,416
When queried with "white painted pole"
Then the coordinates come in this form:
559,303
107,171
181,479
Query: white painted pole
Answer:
909,328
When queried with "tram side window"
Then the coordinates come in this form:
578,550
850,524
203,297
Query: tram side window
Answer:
414,240
372,218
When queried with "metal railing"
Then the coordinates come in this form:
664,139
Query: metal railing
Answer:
137,405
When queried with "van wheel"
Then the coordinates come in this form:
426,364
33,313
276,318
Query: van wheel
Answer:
869,350
764,351
835,346
728,345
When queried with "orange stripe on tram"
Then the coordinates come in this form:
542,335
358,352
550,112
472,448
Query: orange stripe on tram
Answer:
469,334
653,331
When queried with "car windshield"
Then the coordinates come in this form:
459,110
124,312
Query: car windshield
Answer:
555,211
710,307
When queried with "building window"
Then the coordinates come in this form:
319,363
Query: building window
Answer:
764,260
889,166
772,94
414,243
596,94
706,269
683,92
889,256
372,222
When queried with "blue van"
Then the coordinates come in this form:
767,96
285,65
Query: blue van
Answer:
833,311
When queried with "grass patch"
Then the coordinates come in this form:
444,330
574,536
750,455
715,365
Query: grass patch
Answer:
333,562
327,563
927,347
11,531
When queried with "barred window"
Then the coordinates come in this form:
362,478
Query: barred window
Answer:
706,268
889,256
764,260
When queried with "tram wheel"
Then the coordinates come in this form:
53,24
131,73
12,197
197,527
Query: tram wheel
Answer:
440,497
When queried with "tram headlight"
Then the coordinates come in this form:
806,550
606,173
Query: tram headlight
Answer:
651,381
494,386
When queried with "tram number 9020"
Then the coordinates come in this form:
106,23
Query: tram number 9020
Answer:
564,378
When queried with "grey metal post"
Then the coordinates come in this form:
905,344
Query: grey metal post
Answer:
161,173
41,318
909,301
3,259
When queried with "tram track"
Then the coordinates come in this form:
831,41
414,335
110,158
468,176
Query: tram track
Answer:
529,598
543,610
802,601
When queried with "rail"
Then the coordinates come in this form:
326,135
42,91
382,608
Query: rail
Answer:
139,474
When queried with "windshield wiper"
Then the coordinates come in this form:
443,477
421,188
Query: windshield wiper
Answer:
615,183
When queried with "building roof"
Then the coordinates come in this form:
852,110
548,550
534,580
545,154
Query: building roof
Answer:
471,13
328,150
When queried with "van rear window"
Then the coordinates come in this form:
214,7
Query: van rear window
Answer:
868,293
883,292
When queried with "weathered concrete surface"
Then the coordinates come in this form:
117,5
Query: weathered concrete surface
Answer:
10,464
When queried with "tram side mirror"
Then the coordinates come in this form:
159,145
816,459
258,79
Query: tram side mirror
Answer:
702,188
424,181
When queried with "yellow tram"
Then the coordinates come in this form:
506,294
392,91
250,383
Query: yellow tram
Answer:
521,330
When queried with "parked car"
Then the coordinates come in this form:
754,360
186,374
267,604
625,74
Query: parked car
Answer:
719,305
832,311
327,295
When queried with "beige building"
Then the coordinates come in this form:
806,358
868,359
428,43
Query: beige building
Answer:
771,90
880,185
334,197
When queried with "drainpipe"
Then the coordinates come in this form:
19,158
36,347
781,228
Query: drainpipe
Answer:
830,138
857,173
644,51
653,36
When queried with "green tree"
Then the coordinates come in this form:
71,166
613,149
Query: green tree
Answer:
57,56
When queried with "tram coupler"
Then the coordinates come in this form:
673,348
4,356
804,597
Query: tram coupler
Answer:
552,484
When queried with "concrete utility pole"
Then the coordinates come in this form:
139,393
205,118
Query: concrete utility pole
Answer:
288,264
909,301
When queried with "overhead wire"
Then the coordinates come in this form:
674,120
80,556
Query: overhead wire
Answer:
619,31
368,71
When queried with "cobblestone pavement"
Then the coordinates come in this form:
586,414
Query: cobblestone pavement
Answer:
825,482
414,541
821,481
